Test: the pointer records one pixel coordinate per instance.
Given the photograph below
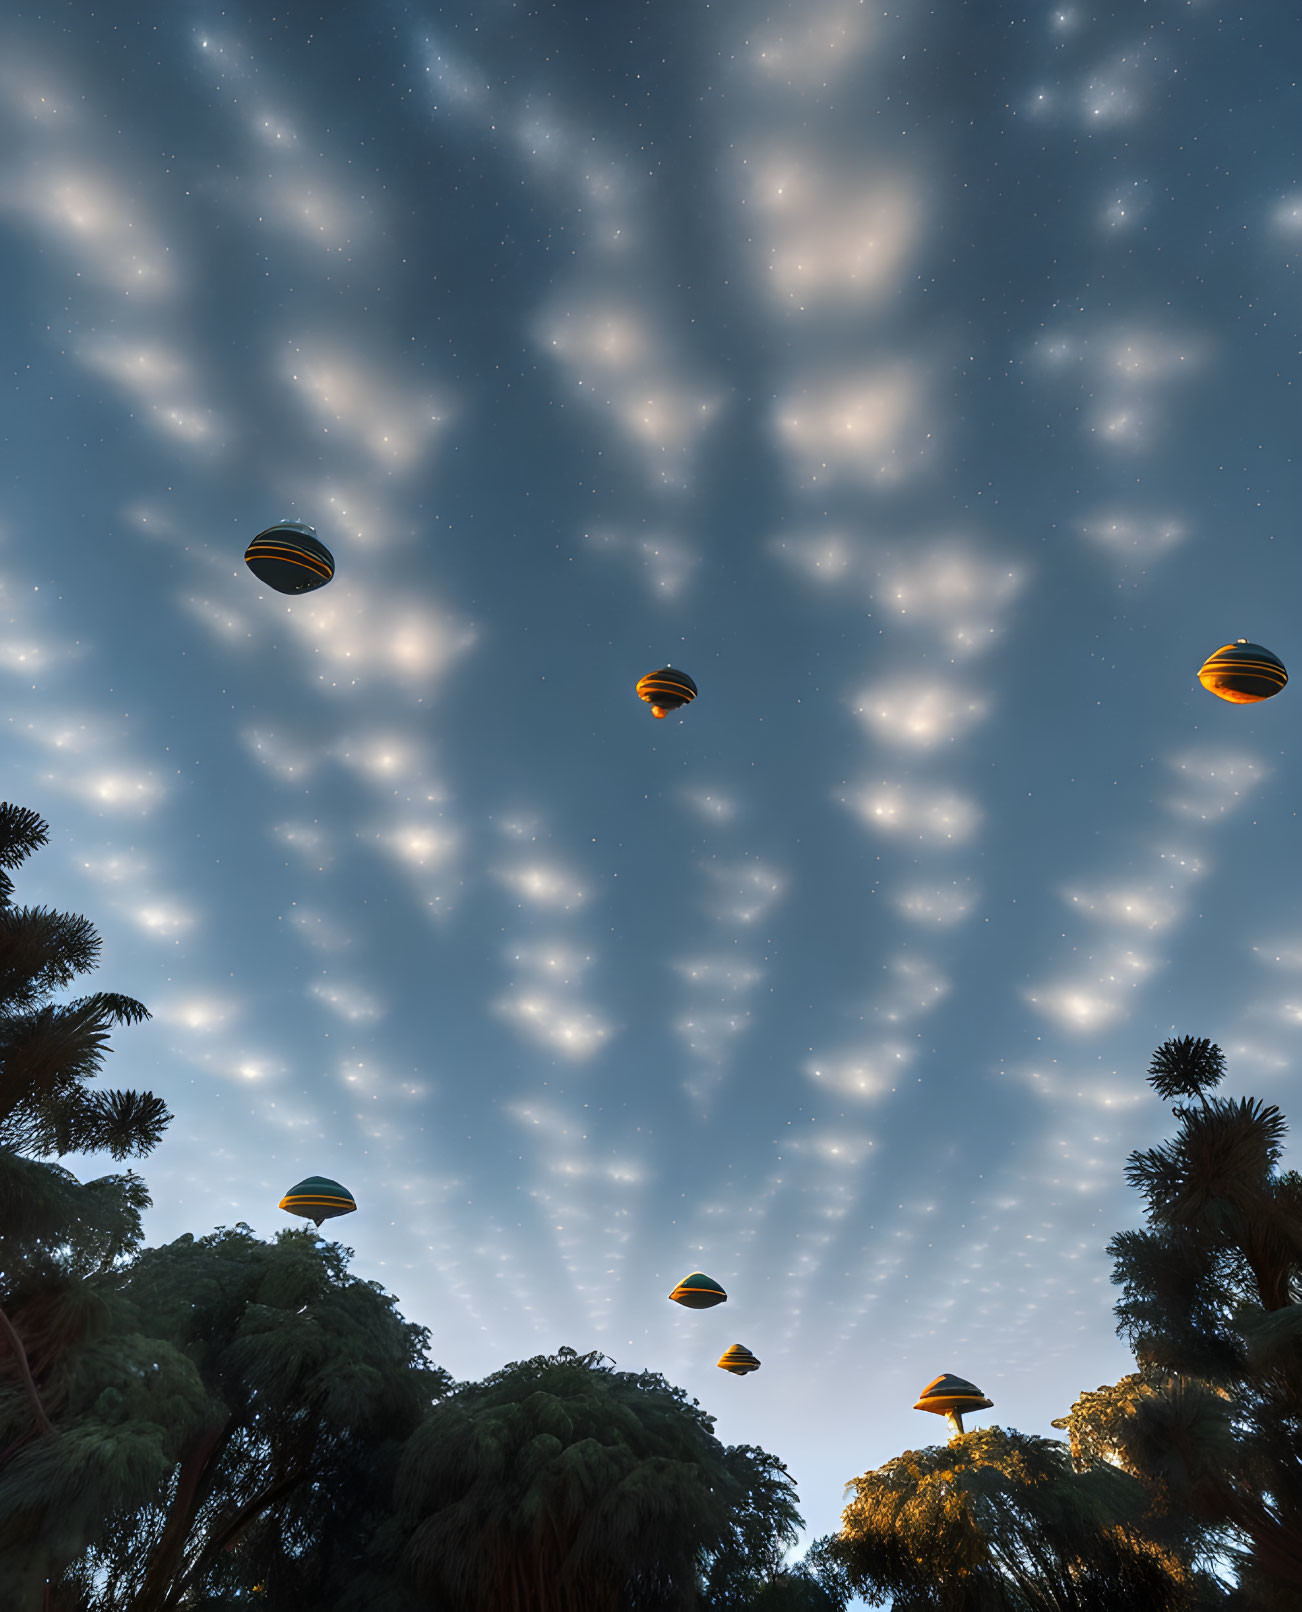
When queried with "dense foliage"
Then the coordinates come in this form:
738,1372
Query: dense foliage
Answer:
1212,1305
1003,1520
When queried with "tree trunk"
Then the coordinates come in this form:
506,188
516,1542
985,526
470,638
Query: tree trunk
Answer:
25,1371
225,1536
190,1488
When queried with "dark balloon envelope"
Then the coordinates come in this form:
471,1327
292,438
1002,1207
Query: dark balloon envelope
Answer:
1243,673
738,1360
666,690
698,1292
290,557
318,1198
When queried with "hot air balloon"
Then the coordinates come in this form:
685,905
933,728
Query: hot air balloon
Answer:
738,1360
1243,673
698,1292
950,1396
666,690
317,1199
290,557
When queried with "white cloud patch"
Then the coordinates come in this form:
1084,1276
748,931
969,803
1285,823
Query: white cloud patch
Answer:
1117,92
1124,370
1096,997
543,1003
1132,906
90,216
227,626
353,508
625,367
1126,205
664,562
954,589
710,805
348,1000
163,918
426,851
309,841
319,932
919,713
390,760
825,558
201,1014
32,88
809,44
113,789
934,816
283,755
719,987
744,892
915,986
866,1073
355,633
358,401
1215,782
943,904
310,204
115,867
863,428
1129,537
547,885
828,238
1287,215
160,381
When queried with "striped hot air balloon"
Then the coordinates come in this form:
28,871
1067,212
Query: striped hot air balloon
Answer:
317,1199
1243,673
698,1292
950,1396
738,1360
290,557
666,690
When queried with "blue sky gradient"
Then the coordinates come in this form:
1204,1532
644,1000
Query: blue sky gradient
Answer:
921,381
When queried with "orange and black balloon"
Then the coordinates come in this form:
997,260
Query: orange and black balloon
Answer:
666,690
1243,673
290,557
738,1360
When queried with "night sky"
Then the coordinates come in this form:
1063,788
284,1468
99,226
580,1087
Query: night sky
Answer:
920,380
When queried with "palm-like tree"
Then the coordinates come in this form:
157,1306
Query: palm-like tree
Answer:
56,1232
50,1050
1212,1304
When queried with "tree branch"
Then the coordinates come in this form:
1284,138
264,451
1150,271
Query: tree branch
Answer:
242,1518
29,1382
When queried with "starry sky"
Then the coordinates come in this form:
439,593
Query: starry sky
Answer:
921,379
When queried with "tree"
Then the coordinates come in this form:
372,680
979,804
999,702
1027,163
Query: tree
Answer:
79,1398
95,1415
1001,1521
49,1051
1212,1305
560,1485
309,1380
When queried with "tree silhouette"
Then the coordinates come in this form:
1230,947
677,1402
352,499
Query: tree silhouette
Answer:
66,1454
1212,1305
